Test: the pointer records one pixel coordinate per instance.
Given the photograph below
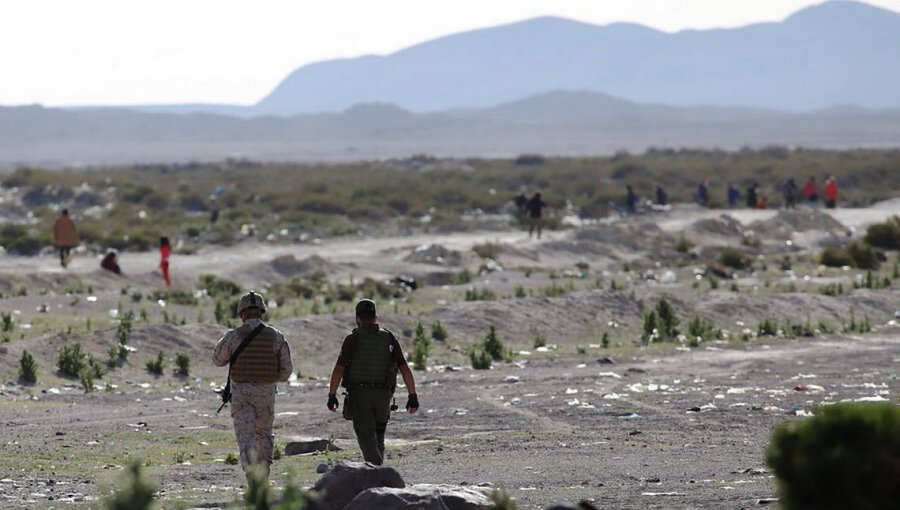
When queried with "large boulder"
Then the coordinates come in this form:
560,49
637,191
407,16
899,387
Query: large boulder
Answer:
421,497
347,479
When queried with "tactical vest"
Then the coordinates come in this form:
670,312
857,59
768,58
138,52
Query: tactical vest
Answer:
258,363
372,360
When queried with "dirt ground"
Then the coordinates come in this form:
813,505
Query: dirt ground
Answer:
665,425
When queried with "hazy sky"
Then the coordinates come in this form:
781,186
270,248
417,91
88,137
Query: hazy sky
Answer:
66,52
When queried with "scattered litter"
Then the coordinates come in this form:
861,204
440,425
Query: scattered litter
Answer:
571,391
876,398
661,494
609,374
766,501
91,299
630,417
511,379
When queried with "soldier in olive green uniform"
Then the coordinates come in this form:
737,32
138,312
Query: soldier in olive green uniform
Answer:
367,367
265,360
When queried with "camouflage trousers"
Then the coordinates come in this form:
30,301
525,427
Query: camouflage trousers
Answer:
253,412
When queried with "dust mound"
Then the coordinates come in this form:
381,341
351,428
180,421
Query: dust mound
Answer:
723,226
434,254
288,265
634,236
786,223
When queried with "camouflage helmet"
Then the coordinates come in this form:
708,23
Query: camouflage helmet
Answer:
251,300
365,307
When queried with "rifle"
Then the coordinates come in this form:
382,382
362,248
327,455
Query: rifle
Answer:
226,393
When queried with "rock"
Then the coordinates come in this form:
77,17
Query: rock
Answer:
766,501
606,361
511,379
347,479
322,468
312,446
424,497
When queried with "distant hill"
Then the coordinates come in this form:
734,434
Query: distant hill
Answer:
834,53
557,123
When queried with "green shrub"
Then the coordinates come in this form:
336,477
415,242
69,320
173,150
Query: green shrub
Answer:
885,235
501,500
231,459
668,322
182,364
421,347
134,491
156,365
86,377
735,258
650,332
684,245
844,457
18,240
6,322
474,294
701,330
539,339
854,254
604,341
438,332
493,345
480,359
27,368
487,250
767,327
71,360
218,287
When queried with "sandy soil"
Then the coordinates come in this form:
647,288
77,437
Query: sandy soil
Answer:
663,426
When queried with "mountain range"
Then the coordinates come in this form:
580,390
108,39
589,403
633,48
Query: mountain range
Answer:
825,77
835,53
556,123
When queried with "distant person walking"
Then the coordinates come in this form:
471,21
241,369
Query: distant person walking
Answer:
521,202
110,262
734,195
790,191
65,237
831,192
214,213
811,192
662,198
631,199
165,250
703,193
535,209
752,195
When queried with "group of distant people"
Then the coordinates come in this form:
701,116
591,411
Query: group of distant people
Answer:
65,238
754,198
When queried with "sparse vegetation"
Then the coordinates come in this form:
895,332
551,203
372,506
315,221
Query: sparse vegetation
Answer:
494,346
27,368
134,492
182,364
438,332
885,235
843,457
71,360
421,348
854,255
735,259
701,330
231,459
155,366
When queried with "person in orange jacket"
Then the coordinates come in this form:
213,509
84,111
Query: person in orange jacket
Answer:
831,192
165,250
65,237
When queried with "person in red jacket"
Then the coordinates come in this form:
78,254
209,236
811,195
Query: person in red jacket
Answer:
831,192
165,250
811,192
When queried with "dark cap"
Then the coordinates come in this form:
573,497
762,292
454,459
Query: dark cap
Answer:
365,307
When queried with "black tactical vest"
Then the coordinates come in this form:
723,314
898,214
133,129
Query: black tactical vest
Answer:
372,361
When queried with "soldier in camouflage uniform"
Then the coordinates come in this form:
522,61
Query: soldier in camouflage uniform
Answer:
367,367
265,361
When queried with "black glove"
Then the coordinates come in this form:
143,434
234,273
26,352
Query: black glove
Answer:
332,402
413,402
